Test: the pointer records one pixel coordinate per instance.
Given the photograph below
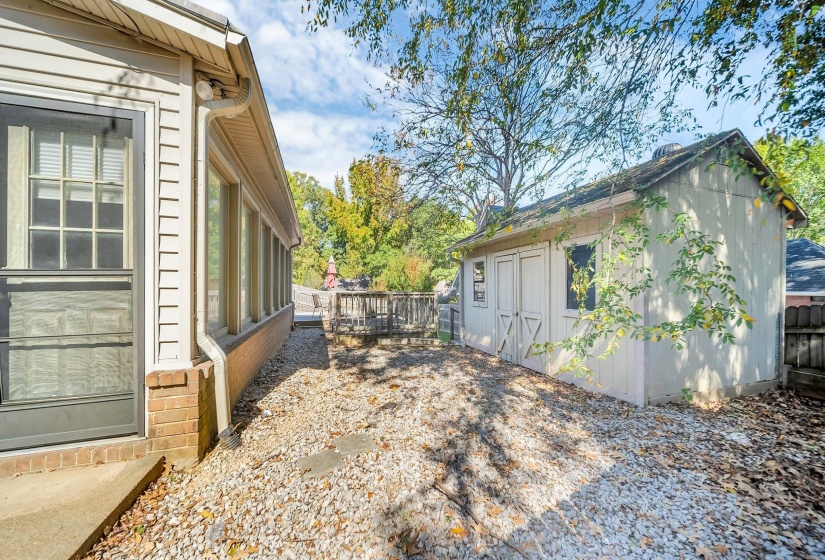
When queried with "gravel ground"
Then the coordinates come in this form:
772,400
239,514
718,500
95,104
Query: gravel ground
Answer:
476,458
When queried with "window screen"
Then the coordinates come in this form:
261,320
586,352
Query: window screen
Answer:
479,285
217,195
580,255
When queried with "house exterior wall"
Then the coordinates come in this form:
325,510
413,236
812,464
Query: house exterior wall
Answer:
51,53
753,240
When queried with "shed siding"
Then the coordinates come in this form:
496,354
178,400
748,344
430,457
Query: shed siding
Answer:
724,208
50,52
615,375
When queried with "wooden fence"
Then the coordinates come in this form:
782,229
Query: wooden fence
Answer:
448,320
805,349
804,336
383,314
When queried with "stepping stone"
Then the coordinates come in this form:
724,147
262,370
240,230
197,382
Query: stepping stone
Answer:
320,464
353,443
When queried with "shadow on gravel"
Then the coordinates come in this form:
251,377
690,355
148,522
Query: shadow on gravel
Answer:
303,348
575,421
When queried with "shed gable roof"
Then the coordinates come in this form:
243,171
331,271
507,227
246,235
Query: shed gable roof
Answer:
636,178
804,267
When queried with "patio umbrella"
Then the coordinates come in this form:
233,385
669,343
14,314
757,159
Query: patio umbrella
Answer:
329,283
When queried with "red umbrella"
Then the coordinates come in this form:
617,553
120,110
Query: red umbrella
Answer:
329,283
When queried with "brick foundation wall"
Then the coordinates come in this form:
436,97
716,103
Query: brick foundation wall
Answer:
180,408
248,353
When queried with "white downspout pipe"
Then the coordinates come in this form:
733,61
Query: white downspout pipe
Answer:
206,112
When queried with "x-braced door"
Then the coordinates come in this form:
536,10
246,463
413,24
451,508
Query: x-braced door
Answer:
506,327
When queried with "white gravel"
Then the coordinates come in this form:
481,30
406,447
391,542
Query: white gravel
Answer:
556,471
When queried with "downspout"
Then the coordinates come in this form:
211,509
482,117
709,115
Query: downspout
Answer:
206,112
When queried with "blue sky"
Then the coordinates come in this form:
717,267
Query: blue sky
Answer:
316,84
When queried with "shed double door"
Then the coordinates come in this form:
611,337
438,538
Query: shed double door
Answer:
521,298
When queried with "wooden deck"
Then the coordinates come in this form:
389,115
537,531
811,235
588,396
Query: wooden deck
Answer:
376,315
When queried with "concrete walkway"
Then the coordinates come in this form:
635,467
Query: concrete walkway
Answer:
63,513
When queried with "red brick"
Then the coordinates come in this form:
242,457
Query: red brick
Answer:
68,458
8,467
152,380
168,416
156,405
23,464
173,403
53,460
179,377
99,455
171,442
127,451
140,449
112,453
169,392
84,456
165,378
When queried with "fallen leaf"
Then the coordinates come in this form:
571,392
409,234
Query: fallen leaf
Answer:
494,510
207,514
681,446
459,531
722,548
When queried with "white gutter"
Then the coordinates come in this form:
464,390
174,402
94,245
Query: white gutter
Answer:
205,114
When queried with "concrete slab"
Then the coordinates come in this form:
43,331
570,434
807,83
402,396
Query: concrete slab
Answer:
353,443
61,514
320,463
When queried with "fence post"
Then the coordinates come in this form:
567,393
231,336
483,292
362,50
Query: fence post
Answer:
452,323
337,313
389,315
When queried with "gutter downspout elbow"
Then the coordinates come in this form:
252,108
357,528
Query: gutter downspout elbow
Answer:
206,112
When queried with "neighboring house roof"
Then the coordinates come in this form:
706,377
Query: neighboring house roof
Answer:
804,268
221,51
628,181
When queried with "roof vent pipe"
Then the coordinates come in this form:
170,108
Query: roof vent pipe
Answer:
666,149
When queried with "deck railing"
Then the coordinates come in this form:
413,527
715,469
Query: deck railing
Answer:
302,297
383,313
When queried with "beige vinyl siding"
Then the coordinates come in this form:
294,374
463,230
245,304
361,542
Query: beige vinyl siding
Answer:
48,51
724,208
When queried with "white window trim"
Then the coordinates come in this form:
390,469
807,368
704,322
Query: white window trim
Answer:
584,240
473,262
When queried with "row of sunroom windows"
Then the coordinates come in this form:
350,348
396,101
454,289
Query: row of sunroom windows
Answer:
248,267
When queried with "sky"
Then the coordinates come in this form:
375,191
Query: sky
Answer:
316,85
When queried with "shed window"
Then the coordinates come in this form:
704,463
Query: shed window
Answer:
580,257
479,284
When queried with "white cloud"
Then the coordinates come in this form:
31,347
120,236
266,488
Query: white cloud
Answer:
315,85
322,145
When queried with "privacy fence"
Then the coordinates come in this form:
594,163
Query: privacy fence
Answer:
805,349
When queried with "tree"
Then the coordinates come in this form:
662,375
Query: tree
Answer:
634,58
312,202
702,43
803,162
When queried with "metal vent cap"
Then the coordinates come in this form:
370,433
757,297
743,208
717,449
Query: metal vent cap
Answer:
666,149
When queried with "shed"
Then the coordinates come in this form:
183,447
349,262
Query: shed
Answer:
515,289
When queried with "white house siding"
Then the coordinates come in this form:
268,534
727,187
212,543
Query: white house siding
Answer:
51,53
724,208
616,375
